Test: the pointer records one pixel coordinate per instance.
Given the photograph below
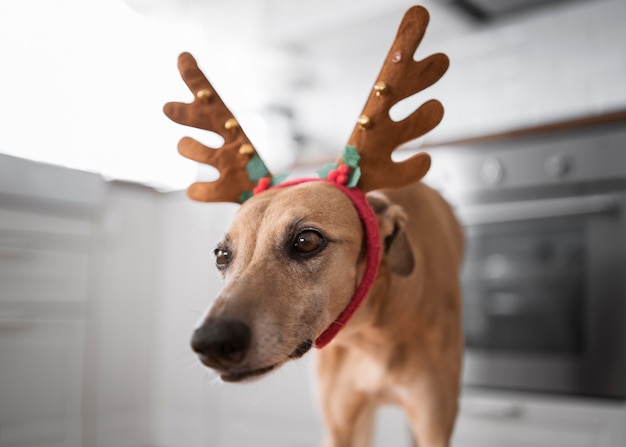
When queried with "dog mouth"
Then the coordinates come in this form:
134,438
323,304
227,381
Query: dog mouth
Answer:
244,375
239,376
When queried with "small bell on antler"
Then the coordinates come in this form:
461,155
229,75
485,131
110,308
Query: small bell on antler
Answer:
246,149
204,94
365,122
231,124
381,88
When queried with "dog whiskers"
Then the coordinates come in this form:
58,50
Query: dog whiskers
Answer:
302,349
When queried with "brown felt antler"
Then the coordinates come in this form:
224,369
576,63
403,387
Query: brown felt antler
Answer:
376,135
237,161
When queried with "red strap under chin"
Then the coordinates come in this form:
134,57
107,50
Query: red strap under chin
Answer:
373,247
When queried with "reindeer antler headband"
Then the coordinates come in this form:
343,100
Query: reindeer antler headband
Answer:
374,138
366,163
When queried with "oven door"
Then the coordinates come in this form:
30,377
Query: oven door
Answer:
544,295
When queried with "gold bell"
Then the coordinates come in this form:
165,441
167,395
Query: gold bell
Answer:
364,122
381,88
246,149
204,94
231,124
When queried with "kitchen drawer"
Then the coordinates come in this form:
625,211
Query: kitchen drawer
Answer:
42,267
521,421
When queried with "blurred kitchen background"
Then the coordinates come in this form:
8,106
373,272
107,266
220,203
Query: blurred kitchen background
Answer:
105,265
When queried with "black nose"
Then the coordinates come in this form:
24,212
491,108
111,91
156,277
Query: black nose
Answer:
221,343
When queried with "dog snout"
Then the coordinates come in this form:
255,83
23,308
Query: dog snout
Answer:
221,343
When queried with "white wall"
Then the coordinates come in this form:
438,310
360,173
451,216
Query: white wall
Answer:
566,63
556,63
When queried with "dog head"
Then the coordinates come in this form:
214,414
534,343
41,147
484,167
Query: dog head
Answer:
291,262
295,258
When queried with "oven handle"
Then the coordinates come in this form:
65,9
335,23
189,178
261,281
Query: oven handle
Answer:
538,209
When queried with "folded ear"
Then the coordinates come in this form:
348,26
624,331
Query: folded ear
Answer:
391,221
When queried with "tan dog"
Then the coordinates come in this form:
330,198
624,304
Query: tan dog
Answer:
291,261
301,257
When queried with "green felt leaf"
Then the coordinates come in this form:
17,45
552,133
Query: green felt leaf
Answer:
351,157
324,170
354,178
245,196
256,169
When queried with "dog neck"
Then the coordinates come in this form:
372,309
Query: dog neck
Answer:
373,255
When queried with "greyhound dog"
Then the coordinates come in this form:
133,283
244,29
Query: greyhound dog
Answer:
363,264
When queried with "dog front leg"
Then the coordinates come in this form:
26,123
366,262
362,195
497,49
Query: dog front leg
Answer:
348,413
348,425
431,409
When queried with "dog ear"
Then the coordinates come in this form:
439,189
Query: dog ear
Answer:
399,253
391,221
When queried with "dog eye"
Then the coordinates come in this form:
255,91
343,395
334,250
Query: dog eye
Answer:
309,242
222,258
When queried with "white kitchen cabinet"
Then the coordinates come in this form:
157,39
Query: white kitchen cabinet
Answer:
490,419
45,236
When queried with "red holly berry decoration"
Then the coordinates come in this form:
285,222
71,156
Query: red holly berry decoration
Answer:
340,175
262,185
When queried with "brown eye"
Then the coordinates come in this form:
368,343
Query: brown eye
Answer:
309,242
222,258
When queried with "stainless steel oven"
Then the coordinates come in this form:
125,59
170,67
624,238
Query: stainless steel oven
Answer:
544,278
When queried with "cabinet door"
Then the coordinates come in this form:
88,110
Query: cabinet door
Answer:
43,277
40,381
